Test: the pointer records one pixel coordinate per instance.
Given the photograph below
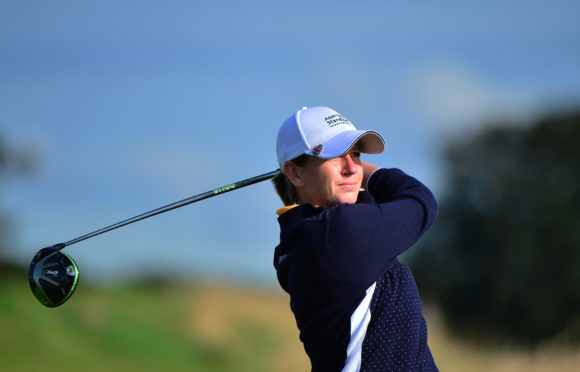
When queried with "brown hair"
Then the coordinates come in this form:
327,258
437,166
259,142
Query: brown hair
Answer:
285,189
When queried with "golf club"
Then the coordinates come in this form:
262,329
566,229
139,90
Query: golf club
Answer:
53,275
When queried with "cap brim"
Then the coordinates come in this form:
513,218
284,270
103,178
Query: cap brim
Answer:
370,143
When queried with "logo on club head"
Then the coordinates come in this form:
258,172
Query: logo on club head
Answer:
51,272
317,150
70,270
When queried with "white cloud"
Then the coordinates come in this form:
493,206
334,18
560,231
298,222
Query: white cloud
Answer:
452,97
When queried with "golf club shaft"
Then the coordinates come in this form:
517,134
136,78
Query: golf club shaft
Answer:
184,202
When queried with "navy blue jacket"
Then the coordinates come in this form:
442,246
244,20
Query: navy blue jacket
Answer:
356,306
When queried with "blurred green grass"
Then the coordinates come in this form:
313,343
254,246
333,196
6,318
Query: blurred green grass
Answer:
199,327
130,328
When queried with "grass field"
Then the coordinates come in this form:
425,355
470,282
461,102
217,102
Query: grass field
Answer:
201,327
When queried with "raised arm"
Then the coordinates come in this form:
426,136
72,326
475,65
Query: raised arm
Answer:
368,169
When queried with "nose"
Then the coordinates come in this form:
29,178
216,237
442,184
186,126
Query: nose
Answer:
348,165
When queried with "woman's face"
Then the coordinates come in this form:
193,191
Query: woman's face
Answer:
332,181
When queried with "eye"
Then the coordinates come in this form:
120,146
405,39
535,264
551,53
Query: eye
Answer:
355,154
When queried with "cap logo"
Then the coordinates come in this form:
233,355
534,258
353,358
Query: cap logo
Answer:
317,150
336,119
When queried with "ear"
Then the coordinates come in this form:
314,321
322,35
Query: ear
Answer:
293,173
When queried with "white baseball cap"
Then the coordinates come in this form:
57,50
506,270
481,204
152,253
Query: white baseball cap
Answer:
324,133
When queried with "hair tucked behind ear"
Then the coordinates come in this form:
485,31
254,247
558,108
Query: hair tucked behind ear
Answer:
285,189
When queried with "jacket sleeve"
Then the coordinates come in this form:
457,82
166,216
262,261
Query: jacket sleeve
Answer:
363,239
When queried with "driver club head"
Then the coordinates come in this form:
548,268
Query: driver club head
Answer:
53,276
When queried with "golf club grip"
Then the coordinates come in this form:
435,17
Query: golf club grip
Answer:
169,207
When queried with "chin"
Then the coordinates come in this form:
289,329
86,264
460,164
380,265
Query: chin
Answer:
348,200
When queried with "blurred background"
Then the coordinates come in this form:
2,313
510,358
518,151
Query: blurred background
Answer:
109,109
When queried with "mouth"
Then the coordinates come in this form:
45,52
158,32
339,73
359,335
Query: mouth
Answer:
349,186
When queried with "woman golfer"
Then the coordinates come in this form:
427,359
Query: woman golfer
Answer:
356,306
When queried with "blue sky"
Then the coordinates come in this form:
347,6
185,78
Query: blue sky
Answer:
131,105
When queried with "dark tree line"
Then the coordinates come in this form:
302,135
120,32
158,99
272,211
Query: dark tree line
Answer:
503,258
